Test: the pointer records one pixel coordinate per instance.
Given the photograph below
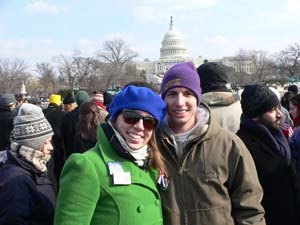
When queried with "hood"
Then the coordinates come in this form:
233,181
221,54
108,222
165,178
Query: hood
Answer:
220,98
203,131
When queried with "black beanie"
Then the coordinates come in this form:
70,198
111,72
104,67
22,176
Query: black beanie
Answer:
213,77
293,88
68,99
257,100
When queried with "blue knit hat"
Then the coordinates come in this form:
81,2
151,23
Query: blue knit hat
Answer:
139,98
182,75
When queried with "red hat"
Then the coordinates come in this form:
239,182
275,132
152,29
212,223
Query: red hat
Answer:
99,103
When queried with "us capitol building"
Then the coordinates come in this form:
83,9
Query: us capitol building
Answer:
172,51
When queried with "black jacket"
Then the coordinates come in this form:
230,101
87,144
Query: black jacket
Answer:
277,177
26,195
6,126
68,131
55,116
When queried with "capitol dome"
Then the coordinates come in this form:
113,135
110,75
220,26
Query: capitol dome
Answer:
172,45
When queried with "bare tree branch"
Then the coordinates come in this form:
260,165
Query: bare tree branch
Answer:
75,68
288,60
48,78
11,73
117,53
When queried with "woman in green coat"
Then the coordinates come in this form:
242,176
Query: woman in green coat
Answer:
115,182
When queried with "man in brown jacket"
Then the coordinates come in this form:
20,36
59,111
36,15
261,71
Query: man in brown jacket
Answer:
212,176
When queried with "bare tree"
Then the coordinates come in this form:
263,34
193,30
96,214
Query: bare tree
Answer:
287,61
99,78
255,63
48,78
32,85
12,71
117,53
260,65
74,68
84,70
132,74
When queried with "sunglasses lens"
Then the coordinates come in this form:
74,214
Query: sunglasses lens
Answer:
132,117
149,123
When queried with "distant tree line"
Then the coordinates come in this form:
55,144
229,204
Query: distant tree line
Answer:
112,65
257,66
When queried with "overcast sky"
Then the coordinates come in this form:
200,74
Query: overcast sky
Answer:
38,30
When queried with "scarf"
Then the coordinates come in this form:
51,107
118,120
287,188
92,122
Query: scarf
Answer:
275,137
141,156
35,157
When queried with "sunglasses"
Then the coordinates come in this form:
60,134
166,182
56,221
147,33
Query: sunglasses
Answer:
132,117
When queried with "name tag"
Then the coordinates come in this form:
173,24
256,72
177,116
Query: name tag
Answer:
114,167
122,178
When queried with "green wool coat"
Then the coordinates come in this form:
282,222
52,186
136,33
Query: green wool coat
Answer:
88,195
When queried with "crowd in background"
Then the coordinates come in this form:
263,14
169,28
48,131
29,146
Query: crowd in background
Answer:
197,152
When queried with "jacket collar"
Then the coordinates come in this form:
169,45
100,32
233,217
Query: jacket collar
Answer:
38,176
272,137
138,175
220,98
204,132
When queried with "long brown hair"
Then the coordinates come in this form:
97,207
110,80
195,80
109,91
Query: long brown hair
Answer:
157,160
89,118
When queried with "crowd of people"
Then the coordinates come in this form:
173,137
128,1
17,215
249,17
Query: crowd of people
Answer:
196,152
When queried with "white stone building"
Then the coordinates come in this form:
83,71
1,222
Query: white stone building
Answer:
241,65
172,51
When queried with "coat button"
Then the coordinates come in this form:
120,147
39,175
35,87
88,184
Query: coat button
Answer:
140,208
157,202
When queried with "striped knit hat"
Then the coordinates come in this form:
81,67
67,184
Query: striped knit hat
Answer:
31,128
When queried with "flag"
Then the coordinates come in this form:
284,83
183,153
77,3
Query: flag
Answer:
287,130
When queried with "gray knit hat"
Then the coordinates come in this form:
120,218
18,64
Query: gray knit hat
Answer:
31,128
7,99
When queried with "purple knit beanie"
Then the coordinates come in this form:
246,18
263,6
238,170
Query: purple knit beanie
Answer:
182,75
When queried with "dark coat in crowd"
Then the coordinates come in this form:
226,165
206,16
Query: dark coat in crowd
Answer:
277,177
7,124
83,144
26,195
55,115
68,131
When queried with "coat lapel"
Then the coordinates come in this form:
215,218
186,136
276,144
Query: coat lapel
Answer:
138,176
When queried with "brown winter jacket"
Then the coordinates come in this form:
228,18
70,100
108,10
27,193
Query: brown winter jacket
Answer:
214,182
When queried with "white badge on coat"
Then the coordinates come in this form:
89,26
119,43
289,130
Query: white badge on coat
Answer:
121,178
114,167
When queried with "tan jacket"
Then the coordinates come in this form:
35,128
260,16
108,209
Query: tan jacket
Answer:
214,182
226,108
